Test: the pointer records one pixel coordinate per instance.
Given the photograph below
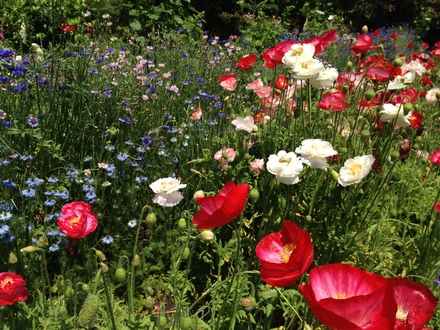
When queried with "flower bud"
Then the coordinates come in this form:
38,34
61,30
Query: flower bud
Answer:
394,155
364,29
136,260
334,175
12,258
181,224
199,194
407,107
85,288
151,219
349,65
254,195
70,292
62,312
100,255
149,303
162,321
120,274
28,249
104,267
185,253
369,94
43,242
248,304
207,235
437,96
398,62
89,311
365,133
186,323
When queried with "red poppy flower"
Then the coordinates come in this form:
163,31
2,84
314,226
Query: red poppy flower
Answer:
77,220
415,303
376,32
333,101
377,74
247,62
12,289
281,82
364,43
273,56
435,52
219,210
285,255
435,157
393,36
228,81
345,297
322,41
437,207
415,119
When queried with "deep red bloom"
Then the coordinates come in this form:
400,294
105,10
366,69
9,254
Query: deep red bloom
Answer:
247,62
426,81
285,255
416,119
415,303
409,95
364,43
437,207
393,36
435,52
273,56
77,220
322,41
376,32
227,76
12,289
219,210
345,297
333,101
281,82
410,45
425,45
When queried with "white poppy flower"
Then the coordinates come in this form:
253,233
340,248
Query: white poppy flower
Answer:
167,191
297,54
355,169
395,114
286,166
244,124
324,78
314,152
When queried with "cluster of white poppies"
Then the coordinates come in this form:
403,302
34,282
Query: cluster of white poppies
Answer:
287,166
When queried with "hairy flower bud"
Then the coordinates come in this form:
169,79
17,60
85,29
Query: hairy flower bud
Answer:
207,235
185,253
151,219
254,195
85,288
120,274
199,194
28,249
369,94
334,175
12,258
89,311
181,224
398,62
100,255
136,260
248,304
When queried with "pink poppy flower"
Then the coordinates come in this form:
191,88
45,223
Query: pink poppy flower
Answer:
256,166
255,85
77,220
224,157
435,157
228,82
197,114
333,101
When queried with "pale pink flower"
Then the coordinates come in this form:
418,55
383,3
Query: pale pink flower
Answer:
244,124
229,84
255,85
145,97
102,165
224,157
256,166
264,92
197,114
431,95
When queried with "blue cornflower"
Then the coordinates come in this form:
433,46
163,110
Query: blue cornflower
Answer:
32,121
9,184
29,193
110,169
93,71
91,196
62,194
8,238
71,173
437,279
52,233
218,104
200,80
5,163
132,223
107,92
88,188
122,156
88,159
26,157
125,120
4,229
4,79
49,202
129,143
109,147
52,180
54,248
6,124
35,182
146,140
5,216
107,240
140,149
6,206
89,180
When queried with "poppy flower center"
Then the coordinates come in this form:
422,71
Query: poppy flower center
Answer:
286,251
73,221
285,160
297,52
356,169
401,315
6,282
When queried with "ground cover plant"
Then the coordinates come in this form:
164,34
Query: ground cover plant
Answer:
181,181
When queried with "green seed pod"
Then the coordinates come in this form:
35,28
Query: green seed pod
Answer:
408,107
369,94
120,274
151,220
181,224
149,290
365,133
70,292
335,175
254,195
89,311
162,321
398,62
28,249
149,303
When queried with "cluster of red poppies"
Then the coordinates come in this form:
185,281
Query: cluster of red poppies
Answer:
68,28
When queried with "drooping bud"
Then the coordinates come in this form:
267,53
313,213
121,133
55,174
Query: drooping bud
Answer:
43,242
199,194
207,235
120,275
187,323
398,62
365,133
85,288
254,195
151,220
181,224
185,253
28,249
100,255
104,267
136,260
149,303
407,107
62,312
334,175
89,311
437,96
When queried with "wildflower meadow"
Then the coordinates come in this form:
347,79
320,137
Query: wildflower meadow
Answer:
176,180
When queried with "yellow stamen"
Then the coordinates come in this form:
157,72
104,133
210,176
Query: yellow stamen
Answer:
6,281
356,169
73,221
286,252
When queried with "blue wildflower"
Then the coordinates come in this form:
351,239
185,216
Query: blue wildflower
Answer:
4,229
109,147
5,216
54,248
107,240
122,156
125,120
52,179
29,193
132,223
49,202
8,238
9,184
33,182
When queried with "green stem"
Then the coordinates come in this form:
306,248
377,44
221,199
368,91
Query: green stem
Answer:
109,301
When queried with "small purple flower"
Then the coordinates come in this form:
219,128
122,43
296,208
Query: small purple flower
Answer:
6,124
9,184
122,156
125,120
32,121
146,140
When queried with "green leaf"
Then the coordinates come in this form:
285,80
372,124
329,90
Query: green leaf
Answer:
135,25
